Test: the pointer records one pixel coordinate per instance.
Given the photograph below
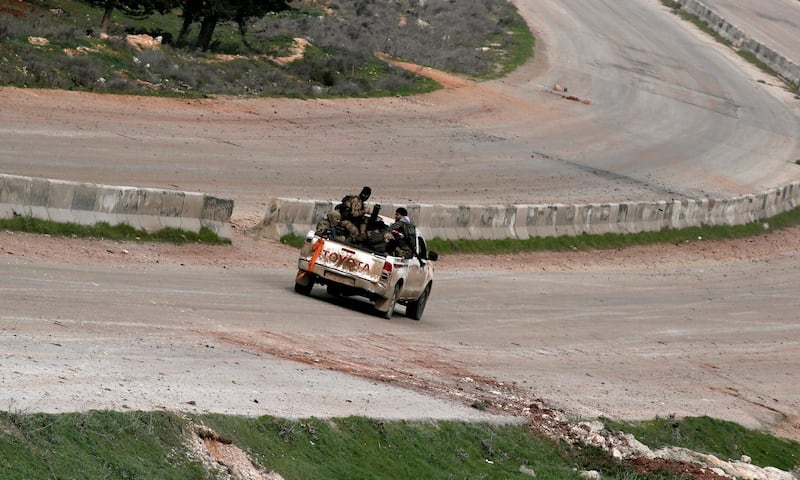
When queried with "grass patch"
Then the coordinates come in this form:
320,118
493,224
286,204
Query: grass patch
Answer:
121,232
608,241
725,440
95,445
751,57
152,445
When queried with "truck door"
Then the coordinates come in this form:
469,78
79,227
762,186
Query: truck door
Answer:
415,280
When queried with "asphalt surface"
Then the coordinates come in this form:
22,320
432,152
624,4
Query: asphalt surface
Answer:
774,24
714,339
669,114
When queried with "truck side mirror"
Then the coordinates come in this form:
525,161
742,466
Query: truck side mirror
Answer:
433,256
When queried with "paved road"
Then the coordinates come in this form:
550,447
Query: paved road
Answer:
774,23
75,339
670,114
712,339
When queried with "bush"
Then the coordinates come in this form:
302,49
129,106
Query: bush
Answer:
340,60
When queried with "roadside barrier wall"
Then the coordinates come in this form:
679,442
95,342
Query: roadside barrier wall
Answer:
787,69
453,222
148,209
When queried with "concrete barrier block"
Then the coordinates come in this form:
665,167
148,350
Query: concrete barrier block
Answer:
695,213
564,219
490,222
520,226
419,214
215,213
85,198
171,203
680,213
299,215
717,211
128,201
602,218
15,194
432,216
270,226
540,221
652,216
59,204
106,198
745,210
626,218
320,210
793,195
38,198
121,205
190,217
583,218
85,217
447,222
170,208
6,210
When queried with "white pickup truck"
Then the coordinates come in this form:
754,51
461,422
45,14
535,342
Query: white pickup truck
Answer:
384,279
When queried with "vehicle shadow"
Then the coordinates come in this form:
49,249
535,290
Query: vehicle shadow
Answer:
353,303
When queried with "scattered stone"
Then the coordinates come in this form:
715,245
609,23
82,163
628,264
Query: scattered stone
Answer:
525,470
38,41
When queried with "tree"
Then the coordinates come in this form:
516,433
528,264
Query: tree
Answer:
131,8
211,12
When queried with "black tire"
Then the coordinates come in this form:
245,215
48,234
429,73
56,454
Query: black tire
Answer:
416,308
304,287
392,302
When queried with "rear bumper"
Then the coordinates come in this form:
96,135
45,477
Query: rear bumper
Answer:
326,276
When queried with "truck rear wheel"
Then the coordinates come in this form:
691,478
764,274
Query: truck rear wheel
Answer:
389,303
416,308
303,284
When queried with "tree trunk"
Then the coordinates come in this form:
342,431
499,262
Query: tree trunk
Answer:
184,33
106,16
207,27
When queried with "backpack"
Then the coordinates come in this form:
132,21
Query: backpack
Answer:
411,237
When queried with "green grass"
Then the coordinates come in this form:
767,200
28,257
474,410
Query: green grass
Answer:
152,445
121,232
725,440
95,445
608,241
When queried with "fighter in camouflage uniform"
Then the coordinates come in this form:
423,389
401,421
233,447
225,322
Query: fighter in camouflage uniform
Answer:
352,209
330,227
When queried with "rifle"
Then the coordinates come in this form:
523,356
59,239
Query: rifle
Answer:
372,223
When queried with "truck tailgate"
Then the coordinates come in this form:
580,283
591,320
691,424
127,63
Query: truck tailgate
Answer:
343,262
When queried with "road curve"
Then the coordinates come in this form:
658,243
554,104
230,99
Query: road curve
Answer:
718,339
774,24
658,112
